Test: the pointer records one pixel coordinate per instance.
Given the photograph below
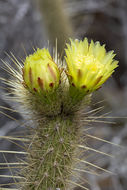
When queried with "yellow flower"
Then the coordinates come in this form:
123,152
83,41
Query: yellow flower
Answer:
88,65
40,72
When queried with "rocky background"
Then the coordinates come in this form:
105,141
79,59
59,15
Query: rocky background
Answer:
22,27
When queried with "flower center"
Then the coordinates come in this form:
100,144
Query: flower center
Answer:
89,62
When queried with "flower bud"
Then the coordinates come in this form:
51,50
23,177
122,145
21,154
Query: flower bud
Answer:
40,72
88,65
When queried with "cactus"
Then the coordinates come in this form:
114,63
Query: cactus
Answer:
53,94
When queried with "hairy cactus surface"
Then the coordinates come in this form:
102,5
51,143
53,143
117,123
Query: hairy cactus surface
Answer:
53,94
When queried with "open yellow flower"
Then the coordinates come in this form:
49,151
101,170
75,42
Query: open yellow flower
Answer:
88,65
40,72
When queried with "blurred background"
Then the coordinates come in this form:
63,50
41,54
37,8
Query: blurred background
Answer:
25,24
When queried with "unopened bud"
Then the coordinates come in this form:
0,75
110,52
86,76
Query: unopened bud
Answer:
40,72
